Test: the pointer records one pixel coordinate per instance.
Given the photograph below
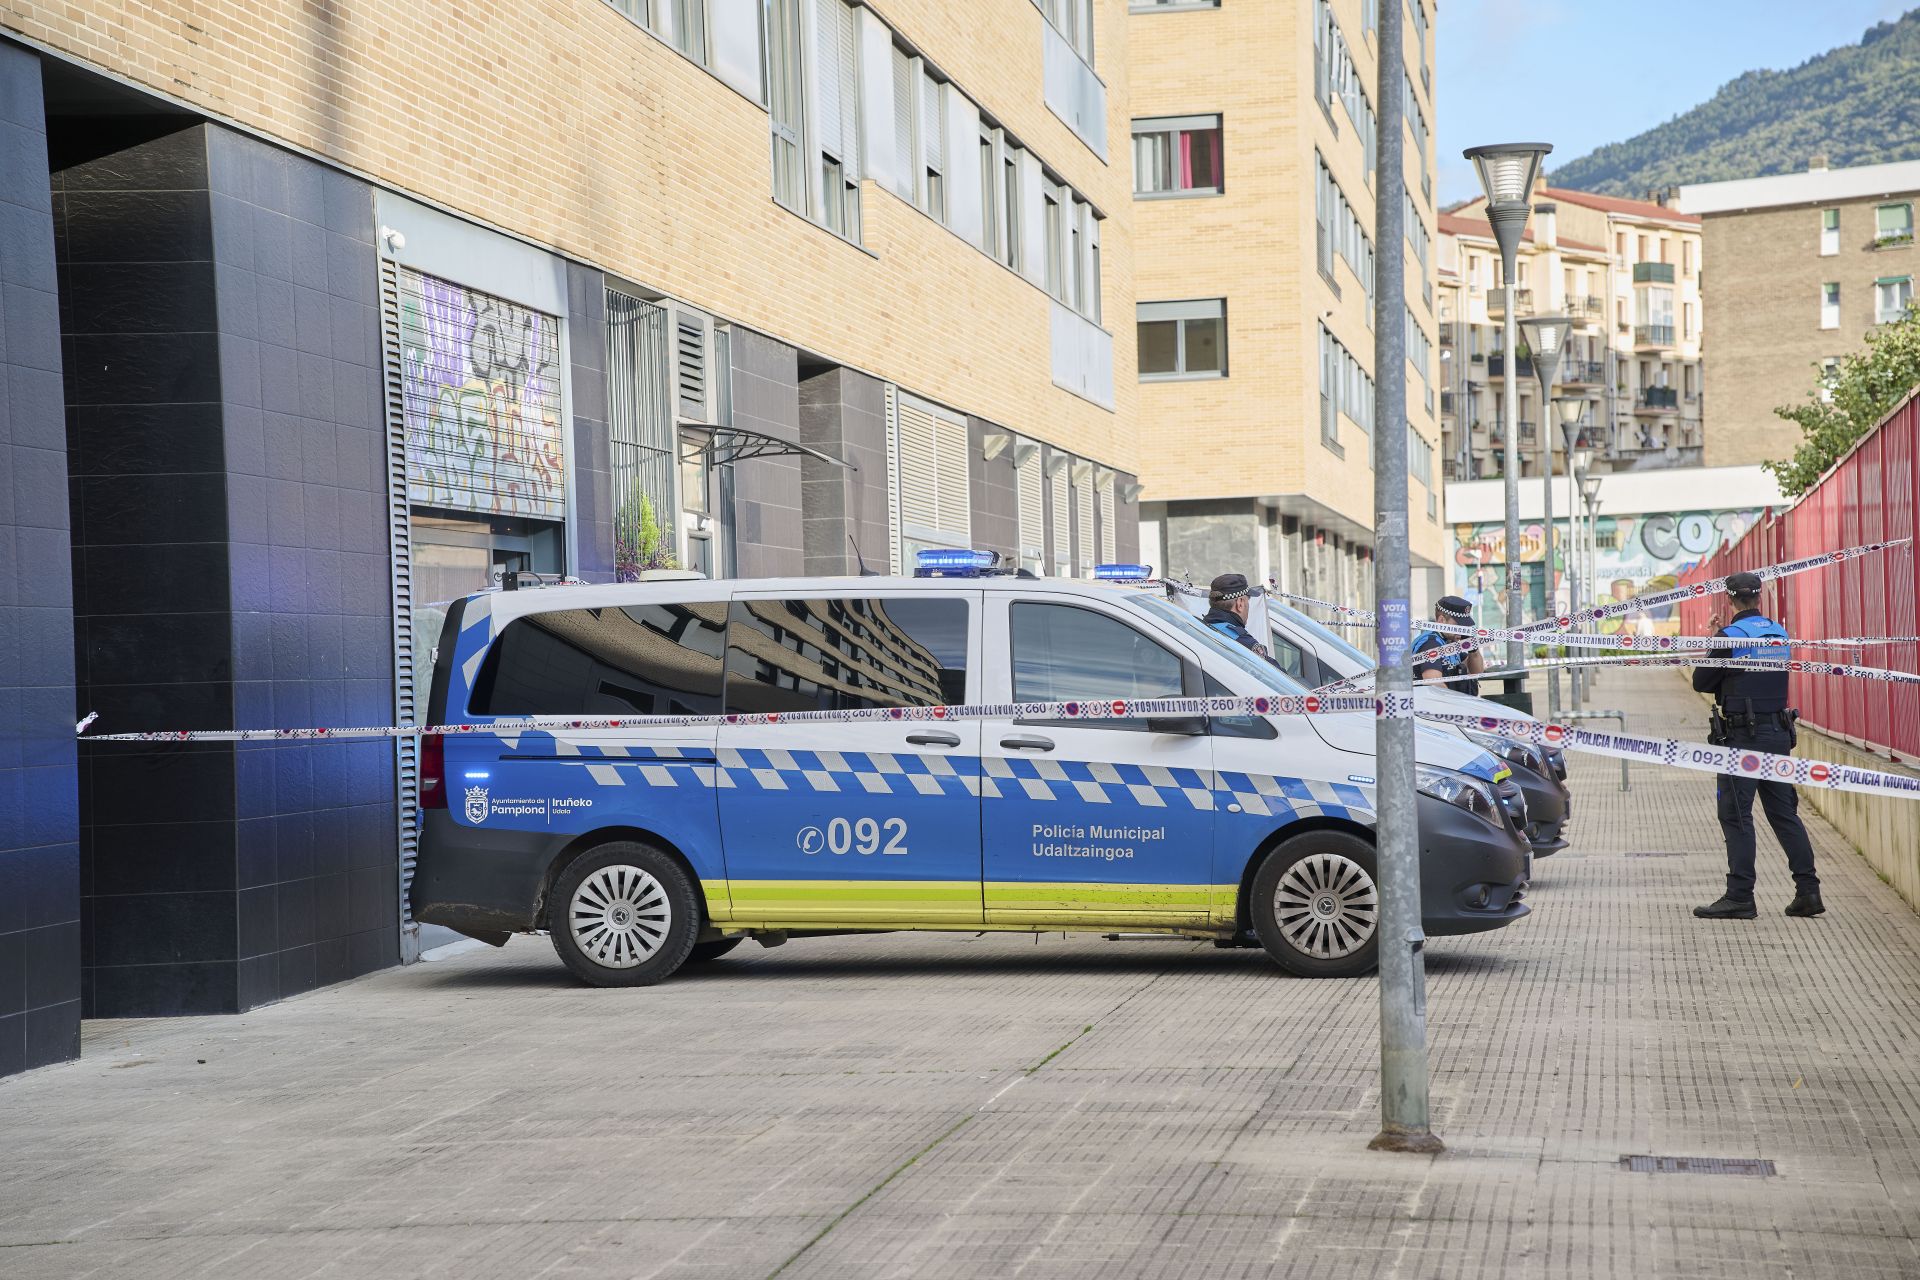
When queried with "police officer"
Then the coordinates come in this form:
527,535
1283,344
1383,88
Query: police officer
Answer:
1449,609
1750,710
1227,606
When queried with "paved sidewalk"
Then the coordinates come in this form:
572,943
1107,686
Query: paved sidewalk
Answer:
1000,1106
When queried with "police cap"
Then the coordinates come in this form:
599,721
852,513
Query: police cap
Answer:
1743,584
1455,607
1227,588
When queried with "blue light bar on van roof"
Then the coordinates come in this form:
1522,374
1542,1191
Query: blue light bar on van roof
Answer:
950,562
1122,572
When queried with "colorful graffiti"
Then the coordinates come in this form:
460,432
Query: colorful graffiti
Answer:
1635,554
481,395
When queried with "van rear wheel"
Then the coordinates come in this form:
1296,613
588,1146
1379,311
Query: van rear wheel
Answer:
624,915
1316,905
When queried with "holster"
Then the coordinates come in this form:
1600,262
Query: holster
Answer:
1717,727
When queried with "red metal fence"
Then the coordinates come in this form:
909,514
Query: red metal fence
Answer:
1868,496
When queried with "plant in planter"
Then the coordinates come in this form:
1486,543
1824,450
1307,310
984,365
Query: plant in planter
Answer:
639,543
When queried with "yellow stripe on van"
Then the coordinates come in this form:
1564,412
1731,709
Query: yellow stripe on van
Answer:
948,904
923,902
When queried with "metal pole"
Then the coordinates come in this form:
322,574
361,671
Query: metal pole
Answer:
1510,416
1404,1122
1574,552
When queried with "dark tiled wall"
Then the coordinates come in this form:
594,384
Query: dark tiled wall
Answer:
996,500
39,820
228,455
1126,521
297,288
592,463
843,414
766,397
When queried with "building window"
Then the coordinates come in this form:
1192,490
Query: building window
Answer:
1054,230
1177,155
640,435
989,204
837,134
845,654
1891,296
1830,305
1030,489
690,29
786,102
1073,19
1893,224
1345,387
930,479
1164,6
1339,232
932,191
1829,375
1183,339
1829,232
1010,206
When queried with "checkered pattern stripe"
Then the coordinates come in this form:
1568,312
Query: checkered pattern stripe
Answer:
885,773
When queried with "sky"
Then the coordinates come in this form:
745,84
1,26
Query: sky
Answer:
1585,74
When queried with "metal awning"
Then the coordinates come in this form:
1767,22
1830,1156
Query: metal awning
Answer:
725,445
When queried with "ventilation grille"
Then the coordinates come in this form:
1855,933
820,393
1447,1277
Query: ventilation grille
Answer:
1699,1164
690,358
400,549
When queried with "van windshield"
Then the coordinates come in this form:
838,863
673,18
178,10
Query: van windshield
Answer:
1200,633
1360,660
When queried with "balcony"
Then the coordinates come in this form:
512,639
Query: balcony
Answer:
1497,365
1497,302
1446,404
1446,334
1656,400
1586,308
1583,372
1529,433
1653,273
1652,335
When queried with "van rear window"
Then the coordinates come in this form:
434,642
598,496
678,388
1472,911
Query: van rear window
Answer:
654,659
846,654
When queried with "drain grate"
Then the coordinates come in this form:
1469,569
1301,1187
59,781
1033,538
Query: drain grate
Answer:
1698,1164
1655,853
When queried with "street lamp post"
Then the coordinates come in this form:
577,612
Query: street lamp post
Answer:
1546,336
1590,499
1507,173
1579,458
1405,1123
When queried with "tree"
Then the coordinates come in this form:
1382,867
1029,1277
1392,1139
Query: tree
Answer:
1849,399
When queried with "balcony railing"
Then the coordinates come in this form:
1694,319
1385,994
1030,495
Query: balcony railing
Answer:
1581,307
1497,301
1660,399
1583,371
1653,273
1497,365
1653,335
1446,334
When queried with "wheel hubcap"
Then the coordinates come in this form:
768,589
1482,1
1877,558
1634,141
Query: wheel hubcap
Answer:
1326,906
620,916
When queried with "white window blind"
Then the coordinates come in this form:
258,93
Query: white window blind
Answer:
903,91
848,69
930,462
1030,490
933,122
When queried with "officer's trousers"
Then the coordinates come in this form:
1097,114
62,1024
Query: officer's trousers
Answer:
1782,806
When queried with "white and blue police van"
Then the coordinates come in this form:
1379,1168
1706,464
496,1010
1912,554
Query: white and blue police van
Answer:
1316,655
643,847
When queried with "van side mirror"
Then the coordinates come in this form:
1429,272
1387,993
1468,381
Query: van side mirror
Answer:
1185,726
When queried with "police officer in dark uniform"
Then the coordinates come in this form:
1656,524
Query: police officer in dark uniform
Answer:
1227,598
1750,710
1449,609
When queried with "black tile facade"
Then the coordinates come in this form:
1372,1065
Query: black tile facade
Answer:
227,449
40,935
592,463
766,512
996,500
843,414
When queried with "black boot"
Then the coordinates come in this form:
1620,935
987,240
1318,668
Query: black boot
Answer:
1727,908
1806,903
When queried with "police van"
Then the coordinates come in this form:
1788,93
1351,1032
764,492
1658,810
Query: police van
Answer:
1316,655
641,848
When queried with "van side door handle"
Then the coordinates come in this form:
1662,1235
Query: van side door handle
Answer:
934,738
1027,742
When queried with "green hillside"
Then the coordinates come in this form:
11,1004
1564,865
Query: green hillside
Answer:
1856,105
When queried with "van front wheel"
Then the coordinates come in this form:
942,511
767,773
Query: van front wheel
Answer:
623,915
1316,905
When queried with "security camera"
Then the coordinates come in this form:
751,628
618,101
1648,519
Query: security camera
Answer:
395,241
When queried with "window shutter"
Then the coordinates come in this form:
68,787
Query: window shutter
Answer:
1109,539
933,123
849,88
919,468
1030,487
956,497
691,365
826,77
904,87
894,557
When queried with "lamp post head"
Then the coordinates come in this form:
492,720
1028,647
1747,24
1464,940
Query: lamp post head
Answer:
1508,169
1546,335
1590,489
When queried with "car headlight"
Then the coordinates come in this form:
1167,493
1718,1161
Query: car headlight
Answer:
1512,750
1460,789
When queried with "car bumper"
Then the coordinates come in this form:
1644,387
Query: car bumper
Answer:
1473,875
485,884
1547,810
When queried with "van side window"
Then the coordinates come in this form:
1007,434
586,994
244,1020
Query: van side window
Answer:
846,654
1288,656
646,659
1062,654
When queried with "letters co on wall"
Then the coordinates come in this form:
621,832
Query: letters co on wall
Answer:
481,397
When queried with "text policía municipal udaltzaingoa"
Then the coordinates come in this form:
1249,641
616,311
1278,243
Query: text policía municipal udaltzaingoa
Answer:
1059,840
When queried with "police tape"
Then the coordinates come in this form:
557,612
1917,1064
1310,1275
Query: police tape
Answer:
1791,666
1628,640
1698,757
1698,590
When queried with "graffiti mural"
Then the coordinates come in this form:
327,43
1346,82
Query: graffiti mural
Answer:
1637,553
481,394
